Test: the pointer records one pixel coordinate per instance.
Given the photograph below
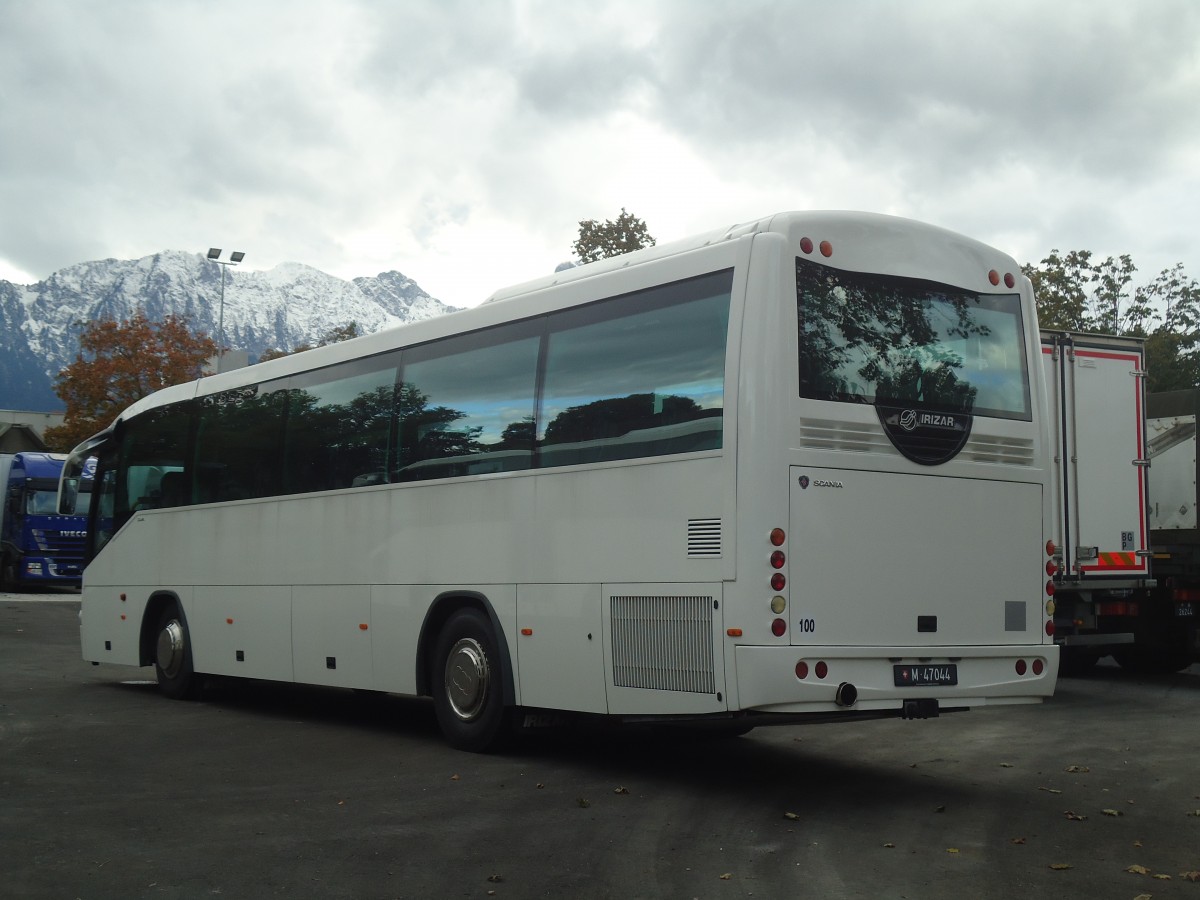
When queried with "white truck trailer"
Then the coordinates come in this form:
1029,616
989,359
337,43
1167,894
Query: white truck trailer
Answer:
1101,558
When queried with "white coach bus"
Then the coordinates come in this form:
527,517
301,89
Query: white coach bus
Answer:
790,471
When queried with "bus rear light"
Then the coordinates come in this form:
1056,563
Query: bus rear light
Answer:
806,244
802,670
733,632
1020,667
1051,568
778,604
1009,281
777,537
1049,588
778,581
1038,667
1050,607
778,559
826,249
779,628
1051,549
994,277
821,669
1050,628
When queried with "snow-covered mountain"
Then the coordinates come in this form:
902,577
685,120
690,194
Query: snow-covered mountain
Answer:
291,304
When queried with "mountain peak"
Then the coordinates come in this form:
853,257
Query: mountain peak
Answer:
288,305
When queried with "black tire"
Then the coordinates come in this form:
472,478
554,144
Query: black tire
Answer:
8,574
173,657
1152,661
1074,662
468,684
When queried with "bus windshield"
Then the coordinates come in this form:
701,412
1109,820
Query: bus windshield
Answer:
902,341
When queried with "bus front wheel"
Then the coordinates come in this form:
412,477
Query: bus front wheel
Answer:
173,657
468,683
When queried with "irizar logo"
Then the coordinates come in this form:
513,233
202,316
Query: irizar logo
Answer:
910,420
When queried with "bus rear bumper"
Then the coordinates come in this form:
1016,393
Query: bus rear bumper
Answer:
830,679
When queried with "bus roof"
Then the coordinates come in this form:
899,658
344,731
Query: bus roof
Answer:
497,310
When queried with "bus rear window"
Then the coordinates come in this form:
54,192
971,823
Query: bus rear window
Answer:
903,341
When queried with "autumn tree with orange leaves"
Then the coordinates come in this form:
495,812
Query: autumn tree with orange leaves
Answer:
120,362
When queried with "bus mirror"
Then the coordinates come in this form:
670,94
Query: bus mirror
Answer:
68,495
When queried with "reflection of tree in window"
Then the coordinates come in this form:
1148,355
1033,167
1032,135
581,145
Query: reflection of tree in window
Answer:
619,416
426,433
867,338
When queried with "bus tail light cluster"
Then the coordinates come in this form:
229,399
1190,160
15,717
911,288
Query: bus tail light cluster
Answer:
1052,568
1037,667
778,582
806,247
1008,279
820,670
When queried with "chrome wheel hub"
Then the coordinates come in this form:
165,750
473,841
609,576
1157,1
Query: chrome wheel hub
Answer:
467,678
169,653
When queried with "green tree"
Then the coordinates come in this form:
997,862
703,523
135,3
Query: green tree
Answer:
600,240
1075,292
120,362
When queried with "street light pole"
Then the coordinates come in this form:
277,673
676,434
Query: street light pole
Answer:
235,257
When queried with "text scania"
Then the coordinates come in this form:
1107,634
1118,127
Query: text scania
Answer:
821,482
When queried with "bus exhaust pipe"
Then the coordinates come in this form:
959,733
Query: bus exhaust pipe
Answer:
846,695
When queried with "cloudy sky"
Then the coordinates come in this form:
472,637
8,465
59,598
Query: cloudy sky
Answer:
461,141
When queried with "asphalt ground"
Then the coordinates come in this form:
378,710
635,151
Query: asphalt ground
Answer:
109,791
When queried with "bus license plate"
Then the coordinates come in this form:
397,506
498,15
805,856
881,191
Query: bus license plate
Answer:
1185,609
925,675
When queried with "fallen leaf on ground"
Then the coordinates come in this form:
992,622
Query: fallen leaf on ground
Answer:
1061,867
951,849
1138,870
1078,769
621,790
1195,812
454,778
495,879
1161,877
890,846
583,802
1112,812
1137,844
790,815
1006,765
1050,790
726,876
1074,816
1190,876
1019,840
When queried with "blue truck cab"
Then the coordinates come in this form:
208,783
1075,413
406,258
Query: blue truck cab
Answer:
38,546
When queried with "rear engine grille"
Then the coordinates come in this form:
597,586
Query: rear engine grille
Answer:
663,643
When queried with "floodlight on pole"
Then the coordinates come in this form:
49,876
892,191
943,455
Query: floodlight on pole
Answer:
235,257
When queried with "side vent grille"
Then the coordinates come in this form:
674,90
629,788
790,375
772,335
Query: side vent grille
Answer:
704,538
663,643
998,450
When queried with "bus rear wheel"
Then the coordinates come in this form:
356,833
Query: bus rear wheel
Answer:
173,657
468,679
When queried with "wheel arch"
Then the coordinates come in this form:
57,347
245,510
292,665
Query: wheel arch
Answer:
158,601
443,607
